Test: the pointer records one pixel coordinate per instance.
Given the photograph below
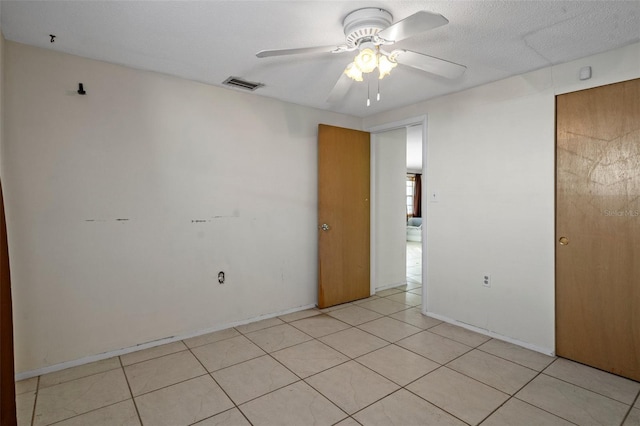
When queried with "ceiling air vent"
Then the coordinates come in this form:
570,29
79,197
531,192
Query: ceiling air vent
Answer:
242,84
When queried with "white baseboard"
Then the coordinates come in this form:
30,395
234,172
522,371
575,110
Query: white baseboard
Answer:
105,355
546,351
388,286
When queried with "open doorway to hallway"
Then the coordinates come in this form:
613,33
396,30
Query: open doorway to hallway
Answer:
414,209
390,213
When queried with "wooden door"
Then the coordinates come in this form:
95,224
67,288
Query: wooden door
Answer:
598,227
7,383
343,206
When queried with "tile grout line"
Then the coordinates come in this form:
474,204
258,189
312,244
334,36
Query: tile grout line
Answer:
380,399
300,330
437,406
514,396
79,377
430,359
411,382
365,331
487,384
582,387
415,380
472,378
323,395
440,365
349,359
35,401
135,405
221,412
151,359
168,386
98,408
303,380
386,316
87,412
300,379
512,361
542,409
216,341
375,372
426,374
626,416
210,374
542,372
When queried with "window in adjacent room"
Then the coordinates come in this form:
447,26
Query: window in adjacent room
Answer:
410,189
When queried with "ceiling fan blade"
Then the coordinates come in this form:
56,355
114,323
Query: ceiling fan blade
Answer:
428,63
413,25
284,52
340,89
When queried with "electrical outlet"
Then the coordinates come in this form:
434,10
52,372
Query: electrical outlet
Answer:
486,280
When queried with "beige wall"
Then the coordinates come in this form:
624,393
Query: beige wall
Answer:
490,157
208,180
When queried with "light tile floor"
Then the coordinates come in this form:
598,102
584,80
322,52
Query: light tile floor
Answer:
414,264
377,361
371,362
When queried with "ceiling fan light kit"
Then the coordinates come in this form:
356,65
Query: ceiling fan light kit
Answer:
368,60
366,30
360,29
353,72
385,65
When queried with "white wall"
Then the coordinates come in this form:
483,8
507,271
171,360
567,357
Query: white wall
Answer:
208,179
491,158
414,149
164,152
390,226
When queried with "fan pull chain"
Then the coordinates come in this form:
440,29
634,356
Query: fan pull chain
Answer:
368,90
378,96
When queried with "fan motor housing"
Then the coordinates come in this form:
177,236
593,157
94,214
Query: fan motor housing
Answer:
365,24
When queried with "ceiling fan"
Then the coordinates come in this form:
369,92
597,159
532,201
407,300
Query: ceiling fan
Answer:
369,31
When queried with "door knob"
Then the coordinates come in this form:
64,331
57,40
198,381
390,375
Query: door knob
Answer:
563,241
324,227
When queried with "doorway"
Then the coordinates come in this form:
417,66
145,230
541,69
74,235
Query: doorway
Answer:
419,280
415,220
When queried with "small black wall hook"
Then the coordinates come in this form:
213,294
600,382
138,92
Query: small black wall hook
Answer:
81,89
53,37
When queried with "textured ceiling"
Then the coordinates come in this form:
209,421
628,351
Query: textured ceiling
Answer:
209,41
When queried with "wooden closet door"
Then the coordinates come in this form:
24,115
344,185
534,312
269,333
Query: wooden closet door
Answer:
343,215
598,227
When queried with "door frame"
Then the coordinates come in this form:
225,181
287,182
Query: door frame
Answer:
394,125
